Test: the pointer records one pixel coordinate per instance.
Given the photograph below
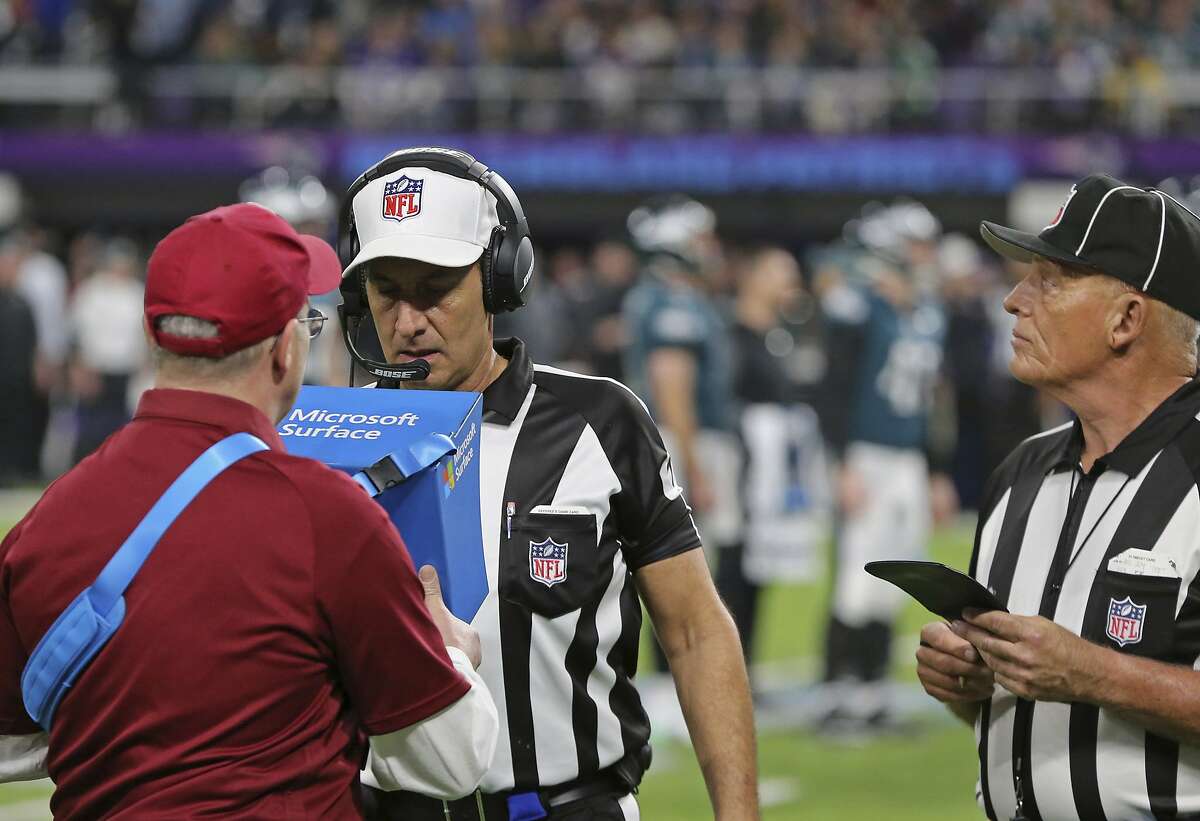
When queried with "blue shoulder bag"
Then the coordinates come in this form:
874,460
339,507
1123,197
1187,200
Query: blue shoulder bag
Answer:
90,621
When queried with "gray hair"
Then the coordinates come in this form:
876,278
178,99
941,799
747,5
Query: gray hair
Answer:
204,367
1178,328
1181,328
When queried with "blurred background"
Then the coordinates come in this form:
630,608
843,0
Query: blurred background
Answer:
808,174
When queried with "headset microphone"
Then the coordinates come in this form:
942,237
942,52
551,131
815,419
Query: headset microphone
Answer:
415,370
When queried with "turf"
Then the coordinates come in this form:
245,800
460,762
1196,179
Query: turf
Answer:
926,774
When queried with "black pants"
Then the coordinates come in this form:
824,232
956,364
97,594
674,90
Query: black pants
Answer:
384,806
100,416
740,595
601,808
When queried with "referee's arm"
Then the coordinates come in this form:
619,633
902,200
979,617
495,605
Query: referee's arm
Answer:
696,632
702,646
1038,659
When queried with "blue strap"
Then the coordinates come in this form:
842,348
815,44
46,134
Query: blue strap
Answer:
424,452
404,463
129,558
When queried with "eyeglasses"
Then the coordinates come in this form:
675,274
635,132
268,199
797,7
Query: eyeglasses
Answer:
315,320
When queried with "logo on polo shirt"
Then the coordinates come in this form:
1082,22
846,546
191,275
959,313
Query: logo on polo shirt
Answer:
1062,209
1125,619
402,198
548,562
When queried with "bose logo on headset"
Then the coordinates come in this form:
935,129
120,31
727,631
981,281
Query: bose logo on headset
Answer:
449,221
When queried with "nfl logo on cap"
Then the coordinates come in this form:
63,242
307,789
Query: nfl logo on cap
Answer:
402,198
1061,209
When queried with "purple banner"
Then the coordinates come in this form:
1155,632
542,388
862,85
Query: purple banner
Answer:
713,164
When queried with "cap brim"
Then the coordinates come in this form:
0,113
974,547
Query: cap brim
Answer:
324,269
1021,246
441,251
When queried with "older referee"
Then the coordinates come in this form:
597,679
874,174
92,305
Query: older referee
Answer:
1091,532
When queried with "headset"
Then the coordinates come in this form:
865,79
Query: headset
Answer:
506,264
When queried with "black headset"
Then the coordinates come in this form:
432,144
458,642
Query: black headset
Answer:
506,264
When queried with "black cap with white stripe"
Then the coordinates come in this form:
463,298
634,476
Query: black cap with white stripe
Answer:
1142,236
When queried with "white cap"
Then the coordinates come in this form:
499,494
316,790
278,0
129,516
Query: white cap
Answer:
418,213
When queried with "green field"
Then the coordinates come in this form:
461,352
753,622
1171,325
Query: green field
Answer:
927,772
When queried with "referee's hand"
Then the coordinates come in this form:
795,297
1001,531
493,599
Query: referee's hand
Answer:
949,668
455,632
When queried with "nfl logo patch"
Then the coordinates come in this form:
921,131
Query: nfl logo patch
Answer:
1125,621
402,198
548,562
1062,209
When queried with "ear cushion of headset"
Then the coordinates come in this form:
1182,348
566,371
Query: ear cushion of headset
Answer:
522,271
486,268
499,271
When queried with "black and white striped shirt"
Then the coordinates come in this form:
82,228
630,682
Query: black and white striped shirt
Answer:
1053,540
576,492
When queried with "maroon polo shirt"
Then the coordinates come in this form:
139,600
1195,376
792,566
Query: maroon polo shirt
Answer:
277,624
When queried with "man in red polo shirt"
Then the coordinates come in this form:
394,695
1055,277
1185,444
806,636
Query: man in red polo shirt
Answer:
278,631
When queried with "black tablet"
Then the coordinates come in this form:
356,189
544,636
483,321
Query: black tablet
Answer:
940,589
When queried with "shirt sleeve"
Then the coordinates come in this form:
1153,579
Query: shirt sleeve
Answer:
444,756
655,520
390,655
23,757
13,718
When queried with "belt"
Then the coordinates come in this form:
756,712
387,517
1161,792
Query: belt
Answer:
481,806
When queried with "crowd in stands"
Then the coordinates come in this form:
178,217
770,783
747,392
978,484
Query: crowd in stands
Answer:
1111,51
582,33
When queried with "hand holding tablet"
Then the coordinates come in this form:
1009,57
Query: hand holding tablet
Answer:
939,589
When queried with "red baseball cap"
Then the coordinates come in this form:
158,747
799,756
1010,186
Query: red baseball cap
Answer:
241,267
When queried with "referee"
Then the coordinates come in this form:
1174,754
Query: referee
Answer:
582,519
1090,533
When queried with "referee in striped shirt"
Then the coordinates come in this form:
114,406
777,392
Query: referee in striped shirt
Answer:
581,516
1085,695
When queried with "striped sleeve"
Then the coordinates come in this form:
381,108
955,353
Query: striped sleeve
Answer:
655,520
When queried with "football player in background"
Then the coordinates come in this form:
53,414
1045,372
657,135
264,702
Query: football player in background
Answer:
885,335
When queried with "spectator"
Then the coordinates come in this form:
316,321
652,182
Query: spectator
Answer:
18,454
550,324
1088,50
762,395
42,280
613,272
108,343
